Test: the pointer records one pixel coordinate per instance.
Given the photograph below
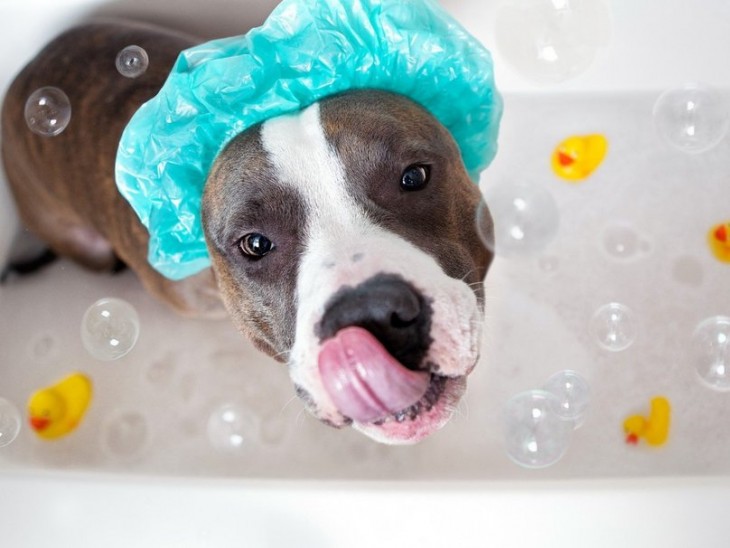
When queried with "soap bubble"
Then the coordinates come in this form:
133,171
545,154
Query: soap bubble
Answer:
621,241
614,327
132,61
548,263
692,118
43,346
711,352
525,219
232,428
9,422
126,434
47,111
573,393
552,40
110,328
535,436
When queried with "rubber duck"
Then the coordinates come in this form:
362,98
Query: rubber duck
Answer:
578,156
57,410
655,428
719,239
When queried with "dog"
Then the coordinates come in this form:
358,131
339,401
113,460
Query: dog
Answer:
342,237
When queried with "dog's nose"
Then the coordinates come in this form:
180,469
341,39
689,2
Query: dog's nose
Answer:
391,309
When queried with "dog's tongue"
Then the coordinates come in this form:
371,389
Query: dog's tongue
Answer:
365,382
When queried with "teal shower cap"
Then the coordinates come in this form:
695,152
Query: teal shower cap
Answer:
306,50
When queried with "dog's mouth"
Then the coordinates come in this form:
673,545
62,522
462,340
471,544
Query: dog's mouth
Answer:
380,395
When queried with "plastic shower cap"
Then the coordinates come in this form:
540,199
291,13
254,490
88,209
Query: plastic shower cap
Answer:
305,51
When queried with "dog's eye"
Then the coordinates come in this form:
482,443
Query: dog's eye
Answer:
255,245
415,177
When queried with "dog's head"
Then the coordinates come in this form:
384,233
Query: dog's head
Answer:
343,239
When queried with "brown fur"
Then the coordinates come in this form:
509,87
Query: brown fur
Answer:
64,186
377,135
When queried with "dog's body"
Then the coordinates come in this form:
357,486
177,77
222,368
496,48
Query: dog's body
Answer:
64,186
369,287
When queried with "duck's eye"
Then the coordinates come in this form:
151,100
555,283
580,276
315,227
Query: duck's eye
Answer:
415,177
255,245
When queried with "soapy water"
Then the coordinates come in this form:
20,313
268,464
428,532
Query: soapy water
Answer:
525,219
693,118
132,61
687,270
109,329
613,327
552,41
47,111
232,428
573,394
621,241
710,352
535,435
549,263
126,435
9,422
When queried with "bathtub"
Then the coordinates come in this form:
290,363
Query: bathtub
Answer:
141,471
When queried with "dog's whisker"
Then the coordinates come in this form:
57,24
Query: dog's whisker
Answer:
288,403
460,410
299,419
286,353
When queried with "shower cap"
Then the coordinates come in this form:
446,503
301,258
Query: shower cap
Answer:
306,50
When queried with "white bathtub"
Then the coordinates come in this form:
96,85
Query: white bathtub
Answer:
307,485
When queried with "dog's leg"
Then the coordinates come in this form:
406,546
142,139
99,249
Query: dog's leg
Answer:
29,266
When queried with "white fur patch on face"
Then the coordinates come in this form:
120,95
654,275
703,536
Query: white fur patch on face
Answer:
343,247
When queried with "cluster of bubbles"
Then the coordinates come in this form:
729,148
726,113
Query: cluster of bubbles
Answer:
538,424
552,41
109,328
48,109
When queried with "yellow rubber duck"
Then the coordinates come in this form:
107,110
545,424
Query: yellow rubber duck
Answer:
655,429
57,410
719,239
578,156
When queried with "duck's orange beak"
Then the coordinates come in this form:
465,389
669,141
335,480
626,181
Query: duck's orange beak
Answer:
721,234
632,439
565,159
39,423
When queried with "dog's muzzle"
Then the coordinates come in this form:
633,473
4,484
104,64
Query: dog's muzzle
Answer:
374,340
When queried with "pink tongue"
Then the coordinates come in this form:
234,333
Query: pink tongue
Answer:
365,382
